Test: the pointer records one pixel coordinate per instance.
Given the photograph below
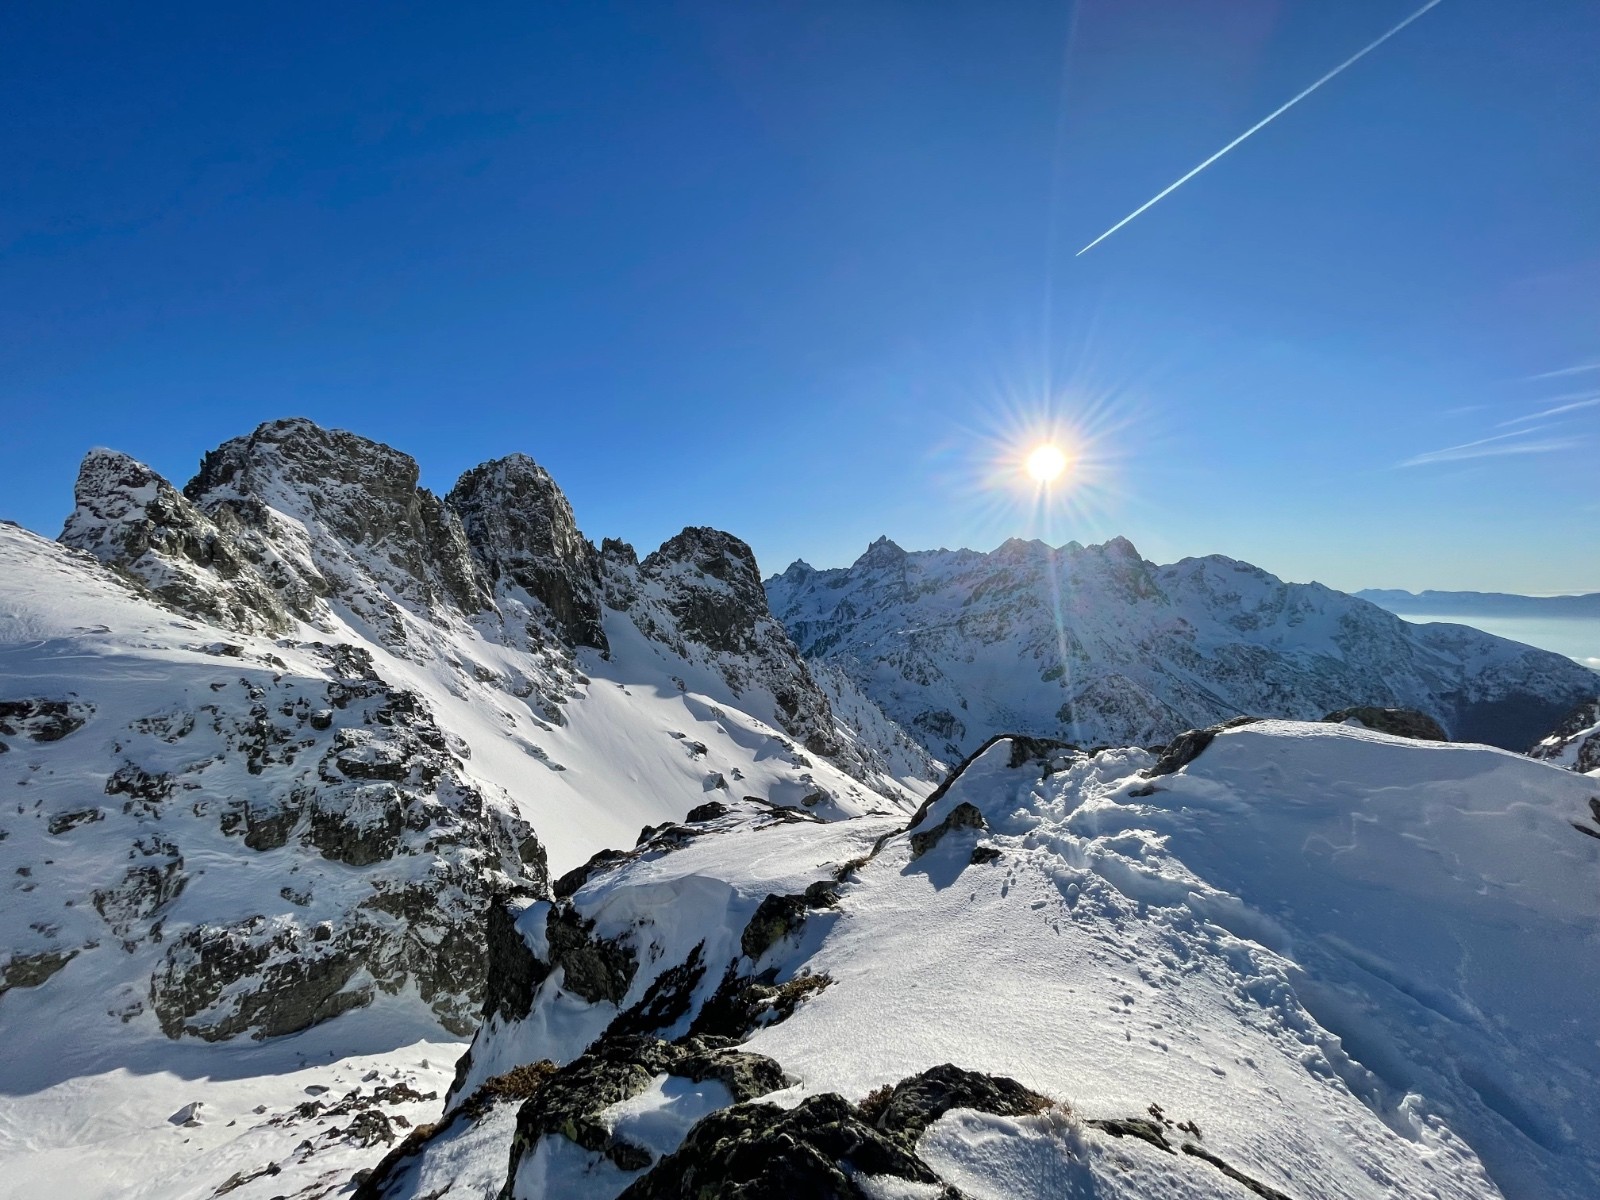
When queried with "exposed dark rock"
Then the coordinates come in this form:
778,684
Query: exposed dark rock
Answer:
814,1151
568,1102
568,884
523,532
709,811
778,917
775,918
370,1127
1239,1177
42,720
714,587
962,816
514,973
744,1003
1574,727
1143,1128
30,970
594,968
1187,747
363,493
984,854
268,978
667,1000
138,784
144,889
1401,722
269,828
62,822
745,1075
710,596
145,530
359,827
919,1101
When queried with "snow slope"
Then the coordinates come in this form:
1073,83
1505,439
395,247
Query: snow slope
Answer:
1096,645
1341,963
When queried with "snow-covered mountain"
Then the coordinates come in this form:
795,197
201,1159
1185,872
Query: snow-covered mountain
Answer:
1483,604
1293,960
276,739
313,774
1098,646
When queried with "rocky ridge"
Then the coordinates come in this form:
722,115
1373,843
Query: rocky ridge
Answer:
358,696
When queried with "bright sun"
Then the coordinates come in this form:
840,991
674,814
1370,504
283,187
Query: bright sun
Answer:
1046,463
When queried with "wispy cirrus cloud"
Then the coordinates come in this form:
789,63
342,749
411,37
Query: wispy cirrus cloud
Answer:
1564,371
1571,403
1517,442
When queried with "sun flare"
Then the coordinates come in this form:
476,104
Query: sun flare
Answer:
1046,463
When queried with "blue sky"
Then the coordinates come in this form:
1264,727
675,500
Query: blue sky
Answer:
807,271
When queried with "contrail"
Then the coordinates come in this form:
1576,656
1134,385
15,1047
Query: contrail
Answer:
1265,121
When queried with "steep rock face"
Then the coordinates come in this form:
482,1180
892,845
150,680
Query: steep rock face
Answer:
1096,645
708,582
1575,743
713,588
142,527
335,514
522,530
294,523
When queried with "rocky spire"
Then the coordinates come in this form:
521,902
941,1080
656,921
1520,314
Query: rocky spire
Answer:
522,530
882,553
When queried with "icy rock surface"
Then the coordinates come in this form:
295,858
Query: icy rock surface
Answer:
1096,645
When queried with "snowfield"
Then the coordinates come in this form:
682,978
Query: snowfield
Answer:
1358,966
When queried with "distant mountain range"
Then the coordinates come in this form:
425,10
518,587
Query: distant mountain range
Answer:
1095,644
1482,604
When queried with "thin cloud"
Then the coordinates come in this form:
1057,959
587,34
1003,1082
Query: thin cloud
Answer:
1577,401
1577,370
1491,447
